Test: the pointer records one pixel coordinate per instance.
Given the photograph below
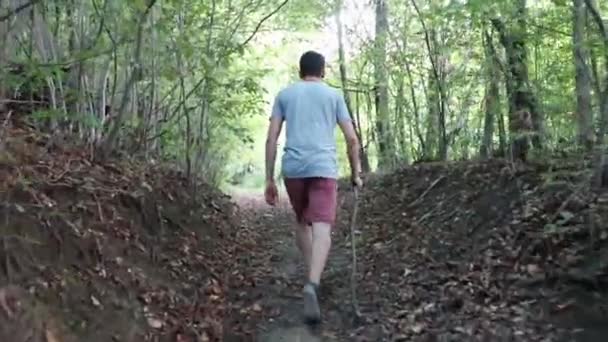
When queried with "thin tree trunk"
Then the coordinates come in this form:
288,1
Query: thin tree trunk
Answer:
136,71
432,136
344,79
415,106
582,77
430,41
521,97
371,136
400,121
383,122
595,13
492,102
150,116
601,174
6,43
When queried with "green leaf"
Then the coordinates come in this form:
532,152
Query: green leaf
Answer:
140,5
566,216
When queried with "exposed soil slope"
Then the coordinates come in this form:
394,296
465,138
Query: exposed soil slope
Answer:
481,252
117,251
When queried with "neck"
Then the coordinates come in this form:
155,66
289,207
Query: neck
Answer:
312,78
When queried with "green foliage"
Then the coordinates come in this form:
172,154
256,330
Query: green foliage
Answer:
43,115
208,72
304,15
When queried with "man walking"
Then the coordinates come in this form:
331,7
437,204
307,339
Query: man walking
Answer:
311,110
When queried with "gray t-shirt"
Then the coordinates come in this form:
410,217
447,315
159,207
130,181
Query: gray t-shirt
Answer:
311,111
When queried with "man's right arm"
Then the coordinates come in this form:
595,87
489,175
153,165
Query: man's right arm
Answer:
352,143
350,135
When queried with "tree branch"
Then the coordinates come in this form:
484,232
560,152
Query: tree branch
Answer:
598,19
17,10
259,25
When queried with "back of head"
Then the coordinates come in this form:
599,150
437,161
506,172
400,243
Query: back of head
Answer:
312,64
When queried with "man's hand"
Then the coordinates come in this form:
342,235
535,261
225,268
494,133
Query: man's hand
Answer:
357,181
271,193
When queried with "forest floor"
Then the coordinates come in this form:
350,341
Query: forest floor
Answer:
474,251
468,251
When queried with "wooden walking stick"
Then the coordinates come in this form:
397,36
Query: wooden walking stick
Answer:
353,276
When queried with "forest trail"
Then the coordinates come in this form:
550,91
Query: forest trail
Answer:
463,251
120,120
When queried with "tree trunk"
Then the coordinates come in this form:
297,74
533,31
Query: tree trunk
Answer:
383,124
402,152
601,173
344,80
583,77
603,96
521,97
415,106
432,136
371,132
5,46
492,101
502,134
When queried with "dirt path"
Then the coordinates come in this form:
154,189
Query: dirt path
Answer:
284,278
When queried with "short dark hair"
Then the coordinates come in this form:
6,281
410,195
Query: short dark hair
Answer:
312,64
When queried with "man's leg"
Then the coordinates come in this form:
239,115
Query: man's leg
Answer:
321,211
304,243
321,244
298,197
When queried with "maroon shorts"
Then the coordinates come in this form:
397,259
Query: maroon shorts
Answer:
313,199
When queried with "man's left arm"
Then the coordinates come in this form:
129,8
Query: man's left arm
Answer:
274,130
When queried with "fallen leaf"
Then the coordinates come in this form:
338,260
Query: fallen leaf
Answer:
417,328
566,216
563,306
533,269
147,186
205,337
155,323
95,301
50,337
